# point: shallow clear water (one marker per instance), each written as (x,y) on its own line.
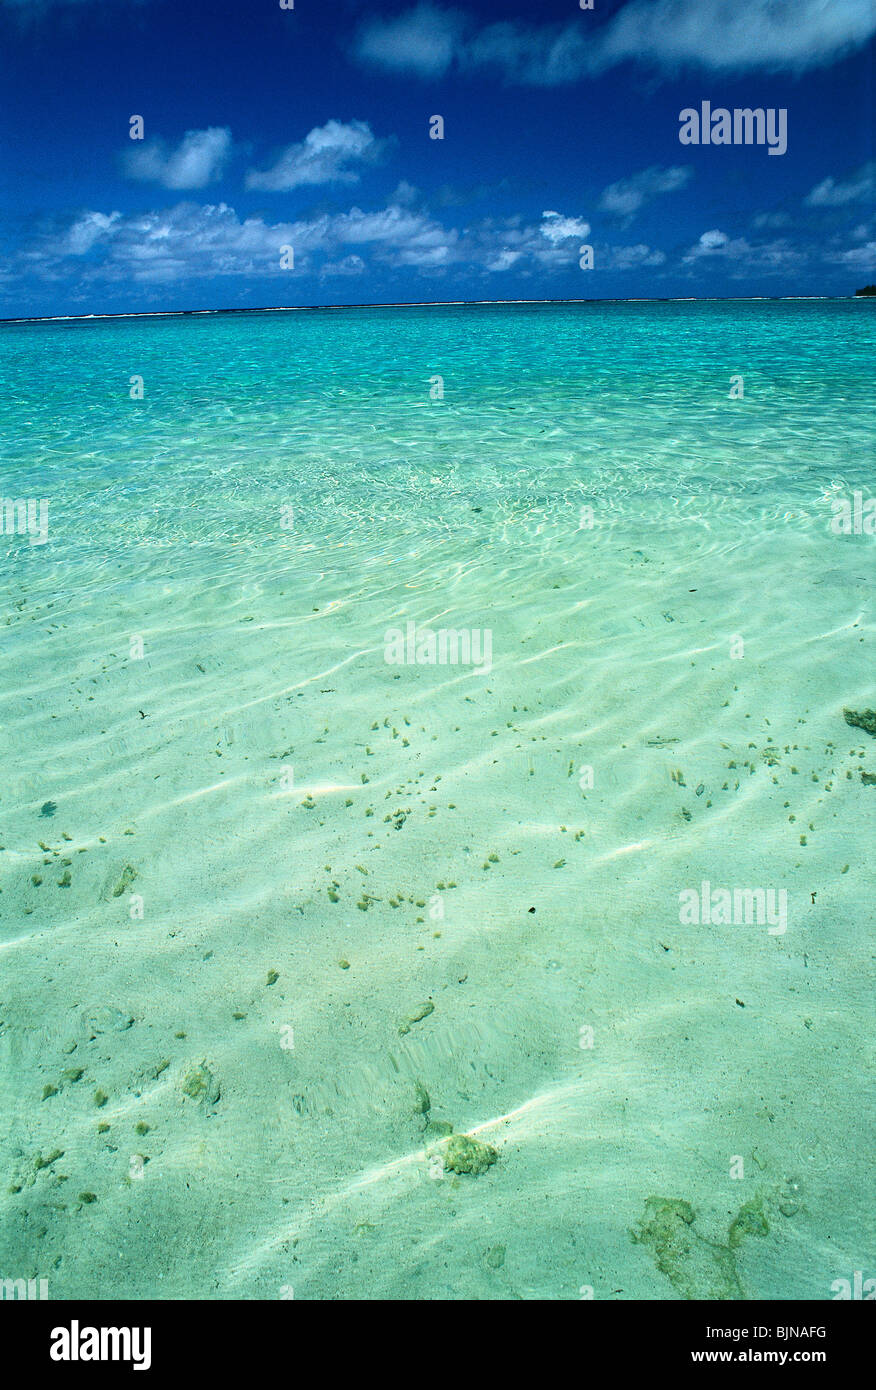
(265,847)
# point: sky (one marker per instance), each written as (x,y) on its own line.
(290,151)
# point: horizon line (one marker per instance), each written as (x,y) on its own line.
(424,304)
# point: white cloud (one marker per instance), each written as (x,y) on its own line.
(530,54)
(185,241)
(765,257)
(89,229)
(857,258)
(190,241)
(422,41)
(394,226)
(198,159)
(504,260)
(724,35)
(557,229)
(350,265)
(859,187)
(632,257)
(767,220)
(405,194)
(627,196)
(711,241)
(711,35)
(550,245)
(324,156)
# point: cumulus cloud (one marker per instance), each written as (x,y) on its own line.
(503,260)
(422,41)
(856,258)
(767,220)
(766,257)
(405,194)
(556,228)
(632,257)
(530,54)
(350,265)
(499,244)
(711,241)
(198,159)
(88,230)
(327,155)
(627,196)
(725,36)
(859,187)
(189,241)
(711,35)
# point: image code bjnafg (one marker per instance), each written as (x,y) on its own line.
(438,701)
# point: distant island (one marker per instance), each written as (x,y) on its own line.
(868,289)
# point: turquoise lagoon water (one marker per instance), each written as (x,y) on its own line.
(278,915)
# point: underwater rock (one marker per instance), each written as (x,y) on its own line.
(438,1129)
(696,1268)
(463,1154)
(104,1020)
(27,1172)
(861,719)
(750,1220)
(39,1162)
(200,1085)
(789,1198)
(129,873)
(420,1012)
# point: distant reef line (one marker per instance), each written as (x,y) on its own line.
(868,290)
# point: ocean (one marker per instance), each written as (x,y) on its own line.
(438,751)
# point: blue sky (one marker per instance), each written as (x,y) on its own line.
(309,128)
